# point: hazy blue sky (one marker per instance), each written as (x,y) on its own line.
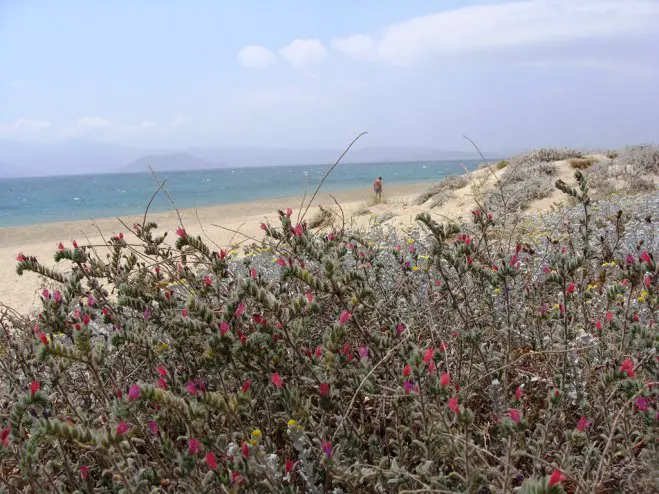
(297,73)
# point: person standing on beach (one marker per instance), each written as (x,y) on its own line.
(377,188)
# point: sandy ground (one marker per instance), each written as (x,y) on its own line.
(219,224)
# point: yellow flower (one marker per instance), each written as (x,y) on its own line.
(557,306)
(410,241)
(162,347)
(590,287)
(256,434)
(415,268)
(644,294)
(497,290)
(292,423)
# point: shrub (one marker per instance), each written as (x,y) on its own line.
(347,362)
(445,187)
(501,164)
(582,163)
(641,158)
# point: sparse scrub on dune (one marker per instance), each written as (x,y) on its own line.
(445,188)
(501,164)
(458,358)
(634,169)
(324,218)
(582,163)
(554,154)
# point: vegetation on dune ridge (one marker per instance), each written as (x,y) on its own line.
(466,359)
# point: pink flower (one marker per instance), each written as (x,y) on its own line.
(309,296)
(583,424)
(184,312)
(84,472)
(444,379)
(297,230)
(432,368)
(289,465)
(180,231)
(406,370)
(344,317)
(208,281)
(408,386)
(246,386)
(546,270)
(514,415)
(453,404)
(162,371)
(240,310)
(45,293)
(282,262)
(327,448)
(430,353)
(191,388)
(34,387)
(43,338)
(193,446)
(252,273)
(571,287)
(122,428)
(277,381)
(153,427)
(645,257)
(4,436)
(162,384)
(628,368)
(324,389)
(210,460)
(363,352)
(224,328)
(60,246)
(641,404)
(134,392)
(85,319)
(556,478)
(289,212)
(630,259)
(519,392)
(20,257)
(91,301)
(400,328)
(264,227)
(609,316)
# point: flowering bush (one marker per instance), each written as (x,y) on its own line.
(462,360)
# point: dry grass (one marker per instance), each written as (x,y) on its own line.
(582,163)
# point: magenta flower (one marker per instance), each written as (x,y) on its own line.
(519,392)
(363,352)
(252,274)
(282,262)
(289,212)
(556,478)
(444,379)
(430,353)
(309,296)
(514,415)
(84,472)
(224,328)
(153,427)
(453,404)
(344,317)
(324,389)
(400,328)
(642,404)
(210,460)
(57,296)
(184,312)
(627,367)
(583,424)
(327,448)
(134,392)
(162,371)
(645,257)
(191,388)
(240,310)
(571,287)
(408,386)
(277,381)
(122,428)
(193,446)
(180,231)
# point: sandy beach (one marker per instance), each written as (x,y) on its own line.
(22,292)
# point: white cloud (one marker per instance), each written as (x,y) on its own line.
(256,57)
(502,26)
(85,123)
(25,125)
(144,125)
(357,46)
(302,52)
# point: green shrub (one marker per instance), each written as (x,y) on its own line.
(448,361)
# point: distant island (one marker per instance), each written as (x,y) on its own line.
(78,156)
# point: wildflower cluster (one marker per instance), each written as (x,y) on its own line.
(461,360)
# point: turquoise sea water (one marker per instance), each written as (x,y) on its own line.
(26,201)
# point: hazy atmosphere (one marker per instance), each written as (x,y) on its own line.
(166,76)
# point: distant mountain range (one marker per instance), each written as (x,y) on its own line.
(74,157)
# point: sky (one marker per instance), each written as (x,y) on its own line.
(509,74)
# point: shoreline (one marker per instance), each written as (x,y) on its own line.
(21,292)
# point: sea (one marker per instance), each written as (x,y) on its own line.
(29,201)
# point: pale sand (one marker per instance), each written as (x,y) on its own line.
(22,292)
